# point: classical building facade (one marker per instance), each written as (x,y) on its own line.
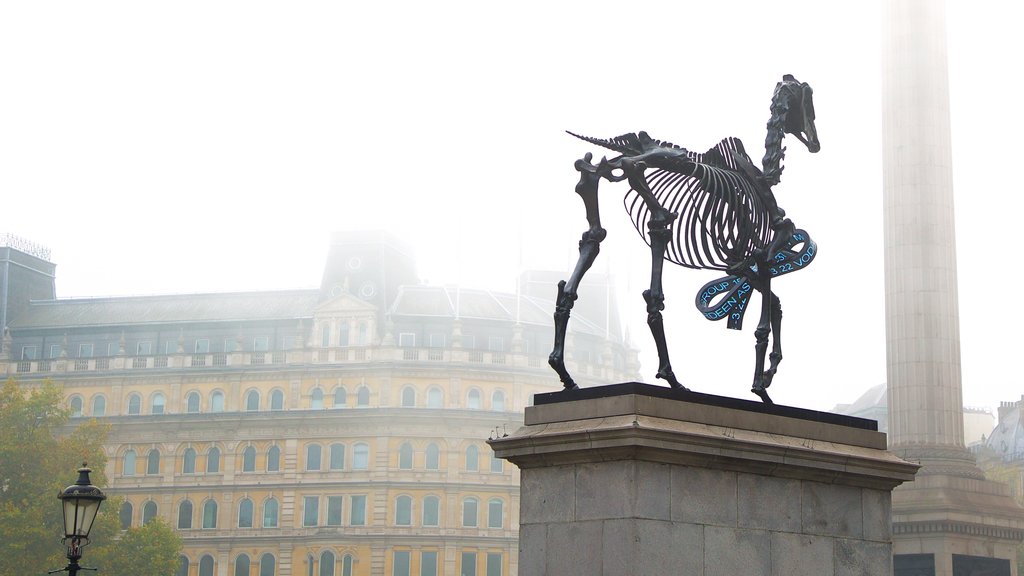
(337,431)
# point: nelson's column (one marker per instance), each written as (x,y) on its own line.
(949,521)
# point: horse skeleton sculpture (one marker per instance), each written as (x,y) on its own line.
(714,210)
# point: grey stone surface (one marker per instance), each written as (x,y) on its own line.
(653,491)
(667,548)
(552,493)
(703,496)
(733,551)
(877,506)
(605,490)
(832,510)
(572,548)
(799,554)
(862,558)
(532,549)
(768,503)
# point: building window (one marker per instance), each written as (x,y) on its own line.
(144,348)
(403,511)
(346,565)
(245,513)
(274,459)
(261,344)
(230,345)
(343,335)
(361,459)
(428,563)
(362,336)
(495,343)
(472,458)
(188,464)
(134,404)
(217,402)
(170,347)
(498,401)
(267,564)
(310,510)
(242,565)
(249,459)
(270,513)
(76,406)
(339,397)
(313,457)
(357,514)
(469,512)
(192,402)
(206,566)
(277,400)
(153,462)
(431,511)
(497,464)
(337,457)
(128,465)
(316,399)
(495,517)
(400,563)
(433,457)
(405,456)
(210,514)
(85,350)
(363,397)
(408,397)
(327,563)
(473,400)
(468,564)
(113,348)
(157,404)
(325,337)
(407,340)
(334,510)
(435,398)
(213,460)
(30,353)
(185,515)
(202,346)
(437,340)
(125,515)
(183,565)
(252,400)
(148,512)
(54,350)
(99,406)
(493,564)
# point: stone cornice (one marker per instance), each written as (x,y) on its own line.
(953,527)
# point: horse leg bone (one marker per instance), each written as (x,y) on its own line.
(761,344)
(590,246)
(776,355)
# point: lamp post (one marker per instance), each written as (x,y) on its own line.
(81,502)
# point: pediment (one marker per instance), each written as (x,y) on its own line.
(344,304)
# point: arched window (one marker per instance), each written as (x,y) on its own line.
(192,402)
(340,397)
(245,513)
(469,512)
(134,404)
(346,565)
(188,461)
(494,513)
(128,465)
(274,459)
(99,406)
(217,401)
(497,464)
(270,513)
(431,510)
(498,401)
(435,398)
(76,406)
(156,405)
(242,565)
(210,514)
(361,460)
(433,457)
(362,335)
(327,563)
(362,397)
(182,566)
(206,565)
(310,561)
(313,457)
(408,397)
(185,515)
(153,462)
(213,461)
(403,511)
(337,456)
(148,512)
(472,458)
(249,459)
(343,335)
(267,564)
(473,400)
(316,399)
(277,400)
(252,400)
(125,515)
(405,456)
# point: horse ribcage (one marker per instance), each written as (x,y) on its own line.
(721,219)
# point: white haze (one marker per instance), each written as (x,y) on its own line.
(194,146)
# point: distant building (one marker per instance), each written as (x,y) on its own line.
(337,431)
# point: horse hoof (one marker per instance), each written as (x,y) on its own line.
(763,395)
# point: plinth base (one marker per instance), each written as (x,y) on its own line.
(632,481)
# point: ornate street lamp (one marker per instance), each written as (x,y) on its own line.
(81,502)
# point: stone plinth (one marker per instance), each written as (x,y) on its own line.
(636,480)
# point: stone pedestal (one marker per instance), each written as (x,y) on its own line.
(637,480)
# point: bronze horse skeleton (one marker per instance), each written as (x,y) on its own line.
(714,210)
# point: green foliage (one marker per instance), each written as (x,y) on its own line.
(39,455)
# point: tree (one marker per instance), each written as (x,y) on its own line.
(40,450)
